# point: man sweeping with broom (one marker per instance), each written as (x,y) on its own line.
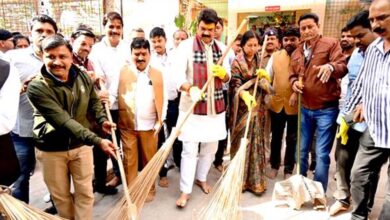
(61,95)
(206,125)
(320,62)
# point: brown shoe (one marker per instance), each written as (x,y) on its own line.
(338,207)
(219,168)
(150,196)
(163,182)
(272,174)
(114,182)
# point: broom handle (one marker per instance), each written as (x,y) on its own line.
(248,120)
(299,129)
(119,159)
(190,110)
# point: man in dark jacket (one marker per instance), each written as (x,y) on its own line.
(62,95)
(320,63)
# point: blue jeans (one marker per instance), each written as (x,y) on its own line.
(24,147)
(324,122)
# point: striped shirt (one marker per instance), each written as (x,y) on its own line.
(372,88)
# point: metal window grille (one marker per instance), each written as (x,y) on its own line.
(70,13)
(338,12)
(17,14)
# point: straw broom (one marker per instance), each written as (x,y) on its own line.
(224,203)
(14,209)
(140,187)
(130,211)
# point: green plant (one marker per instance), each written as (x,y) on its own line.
(180,22)
(193,26)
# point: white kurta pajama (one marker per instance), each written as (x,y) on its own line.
(205,130)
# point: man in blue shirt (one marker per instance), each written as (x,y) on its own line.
(346,148)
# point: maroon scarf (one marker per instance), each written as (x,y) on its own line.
(200,76)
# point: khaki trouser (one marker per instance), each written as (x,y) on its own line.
(58,168)
(137,145)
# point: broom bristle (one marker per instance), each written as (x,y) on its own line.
(226,195)
(141,186)
(15,209)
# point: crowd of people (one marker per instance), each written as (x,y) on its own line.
(53,95)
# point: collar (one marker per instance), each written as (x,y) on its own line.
(146,70)
(71,78)
(266,54)
(285,52)
(80,61)
(158,55)
(315,40)
(209,44)
(379,44)
(105,42)
(32,53)
(3,56)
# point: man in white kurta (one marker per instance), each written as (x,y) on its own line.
(204,130)
(108,57)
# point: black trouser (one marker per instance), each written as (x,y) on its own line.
(222,143)
(100,158)
(9,164)
(278,123)
(345,157)
(365,172)
(172,115)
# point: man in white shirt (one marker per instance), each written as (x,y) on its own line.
(108,57)
(178,37)
(194,63)
(162,60)
(9,100)
(142,107)
(219,30)
(28,62)
(218,161)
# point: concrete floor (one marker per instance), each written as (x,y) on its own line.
(253,207)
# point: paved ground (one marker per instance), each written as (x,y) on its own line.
(253,207)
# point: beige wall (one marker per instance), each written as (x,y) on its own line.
(238,9)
